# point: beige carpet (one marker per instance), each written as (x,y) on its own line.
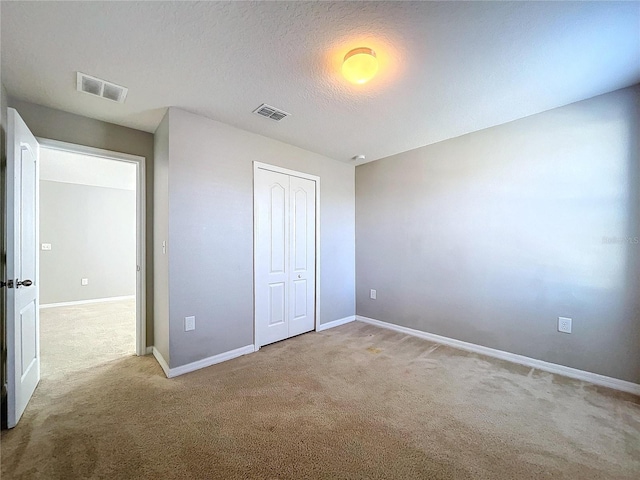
(348,403)
(81,337)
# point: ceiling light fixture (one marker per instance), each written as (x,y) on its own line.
(360,65)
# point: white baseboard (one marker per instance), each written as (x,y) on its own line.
(335,323)
(149,351)
(158,356)
(594,378)
(84,302)
(205,362)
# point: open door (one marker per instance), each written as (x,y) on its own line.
(23,327)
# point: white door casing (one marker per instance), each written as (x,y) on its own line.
(285,254)
(23,342)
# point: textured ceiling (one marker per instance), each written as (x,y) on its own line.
(446,68)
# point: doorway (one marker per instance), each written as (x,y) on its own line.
(286,205)
(90,249)
(87,250)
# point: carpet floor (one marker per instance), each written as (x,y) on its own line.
(80,337)
(352,402)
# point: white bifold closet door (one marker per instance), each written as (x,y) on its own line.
(285,261)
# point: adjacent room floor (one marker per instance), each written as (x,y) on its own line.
(79,337)
(352,402)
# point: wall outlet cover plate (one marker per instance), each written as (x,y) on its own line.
(564,324)
(189,323)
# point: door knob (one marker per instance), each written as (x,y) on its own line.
(299,276)
(24,283)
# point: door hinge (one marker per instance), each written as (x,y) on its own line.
(8,284)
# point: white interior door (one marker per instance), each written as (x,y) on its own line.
(285,207)
(23,328)
(272,256)
(302,255)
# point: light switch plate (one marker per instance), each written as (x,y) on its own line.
(189,323)
(46,246)
(84,281)
(373,294)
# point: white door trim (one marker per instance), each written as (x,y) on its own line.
(141,287)
(265,166)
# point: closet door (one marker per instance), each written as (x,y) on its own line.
(272,254)
(284,255)
(302,254)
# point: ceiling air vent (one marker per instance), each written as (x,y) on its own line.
(101,88)
(268,111)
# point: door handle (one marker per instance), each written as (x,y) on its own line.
(299,276)
(23,283)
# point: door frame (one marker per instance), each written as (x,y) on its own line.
(141,273)
(314,178)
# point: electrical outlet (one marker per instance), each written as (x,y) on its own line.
(373,294)
(46,246)
(564,324)
(84,281)
(189,323)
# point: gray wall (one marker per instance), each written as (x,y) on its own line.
(92,231)
(66,127)
(161,234)
(489,237)
(211,232)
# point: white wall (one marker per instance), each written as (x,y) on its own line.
(210,232)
